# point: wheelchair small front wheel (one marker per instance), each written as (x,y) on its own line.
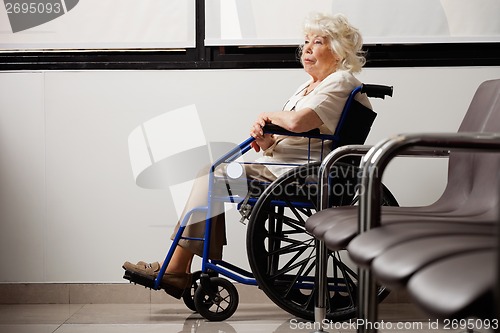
(188,296)
(217,300)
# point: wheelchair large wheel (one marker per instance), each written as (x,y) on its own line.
(281,252)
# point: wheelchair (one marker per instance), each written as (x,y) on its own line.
(281,253)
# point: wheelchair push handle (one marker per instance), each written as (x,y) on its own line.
(376,90)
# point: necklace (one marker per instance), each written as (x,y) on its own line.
(310,88)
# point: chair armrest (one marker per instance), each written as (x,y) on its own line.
(269,129)
(327,163)
(275,129)
(314,133)
(360,150)
(376,160)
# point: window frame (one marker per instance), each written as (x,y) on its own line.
(235,57)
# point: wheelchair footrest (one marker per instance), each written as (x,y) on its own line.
(146,281)
(149,282)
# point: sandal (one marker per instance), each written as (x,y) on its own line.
(144,267)
(145,274)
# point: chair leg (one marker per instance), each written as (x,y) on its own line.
(321,283)
(367,302)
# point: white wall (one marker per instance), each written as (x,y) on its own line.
(69,208)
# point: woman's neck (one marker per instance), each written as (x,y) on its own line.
(320,77)
(316,80)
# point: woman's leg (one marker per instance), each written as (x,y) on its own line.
(183,254)
(195,228)
(181,261)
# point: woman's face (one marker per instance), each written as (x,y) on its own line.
(318,59)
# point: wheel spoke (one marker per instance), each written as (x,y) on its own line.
(289,249)
(350,285)
(289,267)
(303,265)
(296,225)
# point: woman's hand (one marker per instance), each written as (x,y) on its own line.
(262,141)
(256,129)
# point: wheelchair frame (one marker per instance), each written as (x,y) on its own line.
(225,268)
(220,266)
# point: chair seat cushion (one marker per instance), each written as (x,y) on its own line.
(365,247)
(397,264)
(323,220)
(340,224)
(457,287)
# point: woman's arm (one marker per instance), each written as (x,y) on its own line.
(298,121)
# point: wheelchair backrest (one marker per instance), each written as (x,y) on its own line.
(356,119)
(355,125)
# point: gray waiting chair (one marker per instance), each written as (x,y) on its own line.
(466,214)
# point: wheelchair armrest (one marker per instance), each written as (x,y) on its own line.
(275,129)
(270,129)
(380,155)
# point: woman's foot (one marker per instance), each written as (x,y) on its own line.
(144,267)
(173,283)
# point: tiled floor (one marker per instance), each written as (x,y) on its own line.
(173,318)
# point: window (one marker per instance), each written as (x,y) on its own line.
(97,24)
(196,34)
(277,22)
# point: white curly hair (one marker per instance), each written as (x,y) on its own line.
(345,40)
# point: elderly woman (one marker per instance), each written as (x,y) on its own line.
(331,53)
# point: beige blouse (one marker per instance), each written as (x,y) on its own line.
(327,100)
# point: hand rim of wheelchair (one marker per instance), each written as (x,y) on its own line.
(299,301)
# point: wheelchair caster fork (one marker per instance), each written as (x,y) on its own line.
(216,298)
